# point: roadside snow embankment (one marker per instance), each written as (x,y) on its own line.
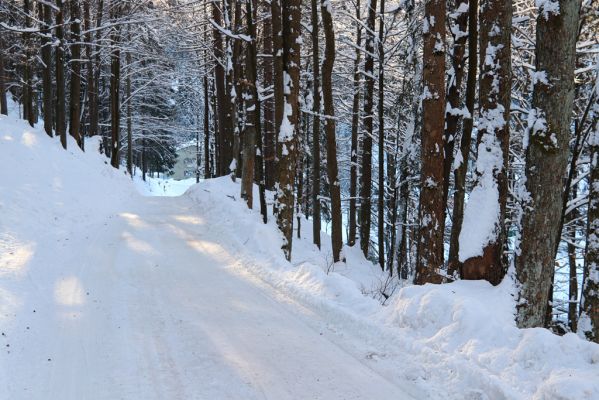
(456,341)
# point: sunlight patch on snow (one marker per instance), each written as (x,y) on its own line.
(133,220)
(189,219)
(137,245)
(14,256)
(69,292)
(8,138)
(29,139)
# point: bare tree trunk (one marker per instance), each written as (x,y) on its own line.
(95,71)
(316,223)
(329,125)
(61,129)
(432,210)
(572,278)
(115,88)
(129,116)
(3,101)
(75,106)
(485,259)
(381,142)
(546,157)
(28,110)
(207,174)
(47,69)
(221,97)
(366,172)
(588,322)
(269,154)
(355,126)
(288,140)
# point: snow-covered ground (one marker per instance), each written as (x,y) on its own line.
(109,294)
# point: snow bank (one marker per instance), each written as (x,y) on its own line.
(456,341)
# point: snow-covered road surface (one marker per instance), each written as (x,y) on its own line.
(152,307)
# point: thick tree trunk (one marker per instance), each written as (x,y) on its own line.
(432,210)
(93,89)
(278,95)
(459,173)
(486,212)
(546,157)
(61,129)
(355,126)
(316,225)
(75,98)
(329,126)
(288,125)
(207,174)
(366,170)
(129,116)
(47,69)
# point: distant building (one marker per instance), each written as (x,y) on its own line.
(186,164)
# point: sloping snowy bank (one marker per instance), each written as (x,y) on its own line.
(457,340)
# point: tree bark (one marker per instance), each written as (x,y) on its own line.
(495,82)
(355,126)
(47,69)
(61,129)
(75,98)
(546,157)
(288,125)
(28,110)
(432,210)
(381,141)
(269,112)
(221,97)
(316,222)
(330,129)
(366,172)
(115,88)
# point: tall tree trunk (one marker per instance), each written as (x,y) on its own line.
(278,95)
(115,89)
(221,97)
(482,255)
(3,100)
(588,322)
(329,126)
(366,172)
(316,224)
(546,157)
(287,127)
(251,106)
(461,169)
(93,89)
(381,142)
(129,116)
(355,126)
(75,106)
(572,278)
(47,69)
(269,112)
(432,210)
(207,174)
(454,112)
(28,110)
(61,128)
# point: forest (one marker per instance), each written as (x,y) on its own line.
(447,140)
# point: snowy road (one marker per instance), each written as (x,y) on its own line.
(149,306)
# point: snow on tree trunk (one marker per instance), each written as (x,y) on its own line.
(432,210)
(316,222)
(355,125)
(366,172)
(75,98)
(287,137)
(482,234)
(546,155)
(61,129)
(588,322)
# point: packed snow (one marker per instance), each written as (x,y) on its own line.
(106,293)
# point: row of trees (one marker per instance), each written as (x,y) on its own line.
(484,113)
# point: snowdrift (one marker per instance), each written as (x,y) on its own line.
(455,341)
